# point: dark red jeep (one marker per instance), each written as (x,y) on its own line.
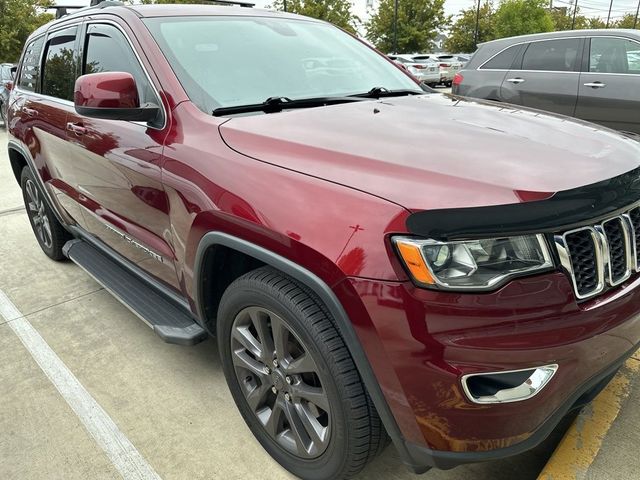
(273,181)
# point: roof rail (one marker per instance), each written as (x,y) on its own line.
(63,10)
(240,3)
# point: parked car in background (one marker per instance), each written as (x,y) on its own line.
(448,65)
(7,72)
(427,71)
(590,74)
(463,58)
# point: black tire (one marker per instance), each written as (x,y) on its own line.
(355,432)
(51,236)
(448,84)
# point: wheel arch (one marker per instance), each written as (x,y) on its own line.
(263,256)
(18,162)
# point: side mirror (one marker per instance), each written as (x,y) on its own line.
(111,96)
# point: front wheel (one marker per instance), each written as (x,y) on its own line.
(49,232)
(293,378)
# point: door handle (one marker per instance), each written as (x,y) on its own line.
(595,85)
(76,128)
(516,80)
(30,112)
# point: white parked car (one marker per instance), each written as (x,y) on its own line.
(428,72)
(448,64)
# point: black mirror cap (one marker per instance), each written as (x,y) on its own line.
(146,113)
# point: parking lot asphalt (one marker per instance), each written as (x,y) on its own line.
(170,402)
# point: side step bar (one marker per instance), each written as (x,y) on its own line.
(170,321)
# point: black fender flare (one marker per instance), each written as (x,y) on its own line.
(328,297)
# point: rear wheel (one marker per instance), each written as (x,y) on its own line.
(50,234)
(293,379)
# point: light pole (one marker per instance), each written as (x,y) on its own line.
(635,24)
(609,16)
(475,36)
(395,27)
(285,5)
(575,10)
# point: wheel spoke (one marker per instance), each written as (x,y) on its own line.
(46,231)
(242,360)
(33,208)
(303,364)
(256,397)
(311,394)
(317,433)
(280,336)
(260,321)
(273,422)
(297,429)
(245,338)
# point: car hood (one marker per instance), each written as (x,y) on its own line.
(437,151)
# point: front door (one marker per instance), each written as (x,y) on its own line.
(547,78)
(609,92)
(117,163)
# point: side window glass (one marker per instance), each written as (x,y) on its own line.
(58,73)
(30,68)
(503,60)
(614,55)
(552,55)
(107,50)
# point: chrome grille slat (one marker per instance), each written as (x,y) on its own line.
(601,255)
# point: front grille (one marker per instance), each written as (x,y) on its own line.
(603,255)
(582,247)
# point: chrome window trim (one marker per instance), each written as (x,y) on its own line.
(565,260)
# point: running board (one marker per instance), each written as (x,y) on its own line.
(171,322)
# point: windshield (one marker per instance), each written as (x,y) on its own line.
(229,61)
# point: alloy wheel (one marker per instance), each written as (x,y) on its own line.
(38,214)
(280,382)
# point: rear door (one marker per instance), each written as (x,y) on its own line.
(117,163)
(547,76)
(42,101)
(609,91)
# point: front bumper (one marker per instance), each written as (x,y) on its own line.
(421,342)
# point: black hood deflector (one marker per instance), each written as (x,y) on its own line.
(563,211)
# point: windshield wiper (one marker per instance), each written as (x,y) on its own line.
(278,104)
(382,92)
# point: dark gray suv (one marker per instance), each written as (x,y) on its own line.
(590,74)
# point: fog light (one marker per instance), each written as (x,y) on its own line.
(507,386)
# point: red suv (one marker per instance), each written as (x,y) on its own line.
(272,181)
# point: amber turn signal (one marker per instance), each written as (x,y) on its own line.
(414,261)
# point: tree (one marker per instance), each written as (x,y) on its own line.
(462,36)
(337,12)
(563,19)
(18,18)
(418,25)
(595,23)
(520,17)
(627,21)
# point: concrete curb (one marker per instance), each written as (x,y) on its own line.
(581,444)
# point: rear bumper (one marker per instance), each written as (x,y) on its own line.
(420,344)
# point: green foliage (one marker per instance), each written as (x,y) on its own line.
(462,35)
(337,12)
(418,23)
(628,21)
(520,17)
(18,18)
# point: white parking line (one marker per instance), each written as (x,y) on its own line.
(124,456)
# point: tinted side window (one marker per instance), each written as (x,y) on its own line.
(107,50)
(58,74)
(614,55)
(503,60)
(31,65)
(552,55)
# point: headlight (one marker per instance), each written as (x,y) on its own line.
(472,264)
